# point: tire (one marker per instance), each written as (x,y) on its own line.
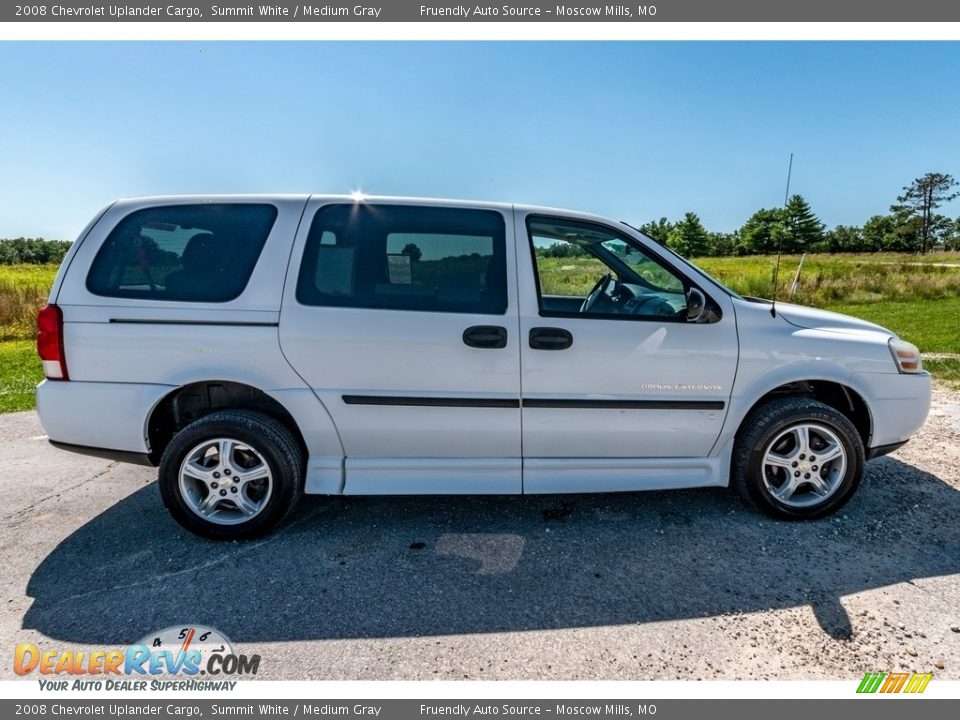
(771,471)
(225,491)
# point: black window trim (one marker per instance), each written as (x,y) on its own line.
(241,291)
(656,257)
(506,250)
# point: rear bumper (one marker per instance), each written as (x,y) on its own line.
(107,454)
(97,416)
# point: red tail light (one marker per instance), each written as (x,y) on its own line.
(50,342)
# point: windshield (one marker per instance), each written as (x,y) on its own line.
(686,262)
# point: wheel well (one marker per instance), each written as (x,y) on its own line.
(837,396)
(191,402)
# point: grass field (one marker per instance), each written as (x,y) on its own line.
(23,289)
(916,297)
(831,280)
(19,374)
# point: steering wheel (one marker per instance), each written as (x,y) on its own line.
(651,305)
(599,290)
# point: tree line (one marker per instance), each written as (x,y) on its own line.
(913,225)
(32,251)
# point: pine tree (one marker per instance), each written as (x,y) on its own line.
(688,237)
(723,244)
(803,230)
(920,198)
(659,230)
(758,236)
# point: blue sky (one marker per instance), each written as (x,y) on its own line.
(634,130)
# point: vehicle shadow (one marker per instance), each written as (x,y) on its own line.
(409,566)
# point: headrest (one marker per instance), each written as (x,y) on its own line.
(202,253)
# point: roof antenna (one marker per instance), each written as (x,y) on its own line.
(776,269)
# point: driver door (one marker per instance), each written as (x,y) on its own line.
(627,377)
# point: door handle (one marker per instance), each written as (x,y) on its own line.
(492,337)
(550,338)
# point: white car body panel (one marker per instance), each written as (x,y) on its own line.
(433,476)
(98,414)
(116,345)
(816,319)
(848,351)
(125,356)
(624,360)
(899,404)
(417,355)
(574,475)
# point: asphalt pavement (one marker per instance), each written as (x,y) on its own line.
(660,585)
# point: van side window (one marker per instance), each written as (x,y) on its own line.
(394,257)
(587,270)
(184,253)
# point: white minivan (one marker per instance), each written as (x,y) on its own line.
(259,347)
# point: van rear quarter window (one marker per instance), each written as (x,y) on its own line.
(183,253)
(395,257)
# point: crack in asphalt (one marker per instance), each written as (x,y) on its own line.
(16,516)
(930,592)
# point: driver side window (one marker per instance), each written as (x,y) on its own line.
(586,269)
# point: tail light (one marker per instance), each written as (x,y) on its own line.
(50,342)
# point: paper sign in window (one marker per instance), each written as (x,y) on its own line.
(400,270)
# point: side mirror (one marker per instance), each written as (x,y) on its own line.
(696,304)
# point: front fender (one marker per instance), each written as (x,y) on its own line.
(749,389)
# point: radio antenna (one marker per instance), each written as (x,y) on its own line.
(776,269)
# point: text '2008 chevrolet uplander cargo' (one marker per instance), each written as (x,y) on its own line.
(260,347)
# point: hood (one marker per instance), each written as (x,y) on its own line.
(814,319)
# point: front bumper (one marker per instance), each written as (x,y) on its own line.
(899,404)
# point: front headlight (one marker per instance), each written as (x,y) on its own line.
(905,355)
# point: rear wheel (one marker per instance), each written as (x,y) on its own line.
(232,474)
(797,458)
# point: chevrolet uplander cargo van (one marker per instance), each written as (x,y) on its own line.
(259,347)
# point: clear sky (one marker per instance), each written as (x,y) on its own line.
(634,130)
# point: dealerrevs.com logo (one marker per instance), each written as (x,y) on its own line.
(190,651)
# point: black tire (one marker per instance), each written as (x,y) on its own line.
(763,426)
(269,438)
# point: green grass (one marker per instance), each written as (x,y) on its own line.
(830,279)
(20,371)
(931,325)
(946,371)
(23,290)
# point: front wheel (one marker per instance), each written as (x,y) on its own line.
(797,458)
(231,475)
